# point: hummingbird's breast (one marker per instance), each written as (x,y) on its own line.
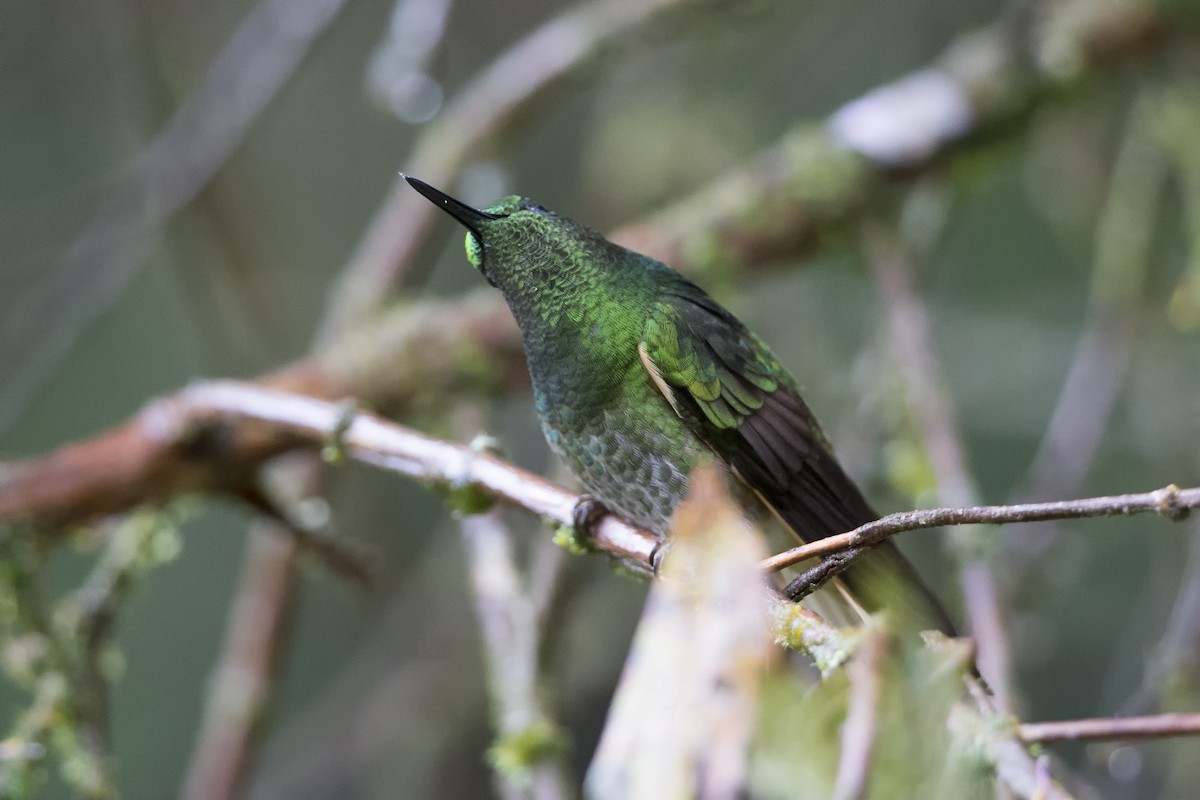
(599,409)
(621,440)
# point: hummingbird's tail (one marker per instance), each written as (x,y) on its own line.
(819,499)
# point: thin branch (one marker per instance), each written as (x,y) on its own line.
(1124,248)
(820,574)
(931,406)
(862,717)
(1157,726)
(296,420)
(1170,502)
(1018,770)
(245,77)
(528,754)
(254,641)
(481,113)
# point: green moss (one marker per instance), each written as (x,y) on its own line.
(335,450)
(569,538)
(829,180)
(796,629)
(465,498)
(516,752)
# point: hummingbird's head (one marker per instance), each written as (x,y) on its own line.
(508,235)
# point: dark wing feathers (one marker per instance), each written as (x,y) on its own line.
(728,387)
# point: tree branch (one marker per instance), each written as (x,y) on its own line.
(931,406)
(481,113)
(240,687)
(862,716)
(460,470)
(245,77)
(413,359)
(1156,726)
(527,756)
(1171,502)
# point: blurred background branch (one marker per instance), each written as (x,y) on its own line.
(248,73)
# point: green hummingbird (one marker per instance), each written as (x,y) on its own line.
(638,374)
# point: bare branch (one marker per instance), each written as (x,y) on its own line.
(931,406)
(862,717)
(372,440)
(528,754)
(1171,502)
(244,78)
(253,643)
(1157,726)
(483,112)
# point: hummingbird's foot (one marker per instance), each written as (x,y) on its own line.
(657,555)
(587,515)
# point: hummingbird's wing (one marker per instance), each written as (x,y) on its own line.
(729,389)
(726,385)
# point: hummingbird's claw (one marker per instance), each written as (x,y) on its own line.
(587,515)
(657,555)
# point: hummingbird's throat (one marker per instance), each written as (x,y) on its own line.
(474,250)
(475,256)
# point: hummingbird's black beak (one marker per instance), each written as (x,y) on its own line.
(467,216)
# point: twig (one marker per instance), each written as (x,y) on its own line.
(247,74)
(1171,502)
(1014,765)
(484,111)
(1124,242)
(862,717)
(295,420)
(254,640)
(818,575)
(1157,726)
(930,404)
(528,754)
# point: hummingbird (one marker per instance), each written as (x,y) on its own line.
(639,374)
